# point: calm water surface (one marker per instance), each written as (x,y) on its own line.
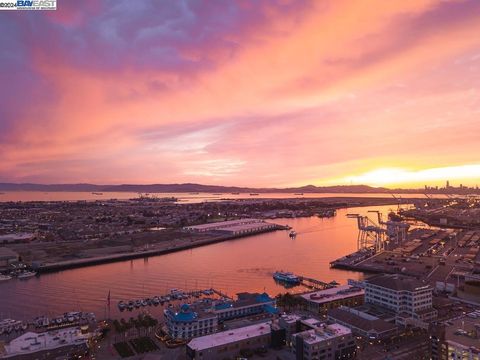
(239,265)
(183,197)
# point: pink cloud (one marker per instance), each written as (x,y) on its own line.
(289,91)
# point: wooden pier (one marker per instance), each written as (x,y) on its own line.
(314,283)
(219,293)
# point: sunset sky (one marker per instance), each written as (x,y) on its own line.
(248,93)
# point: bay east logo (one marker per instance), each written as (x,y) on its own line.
(28,4)
(36,4)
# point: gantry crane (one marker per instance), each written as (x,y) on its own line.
(370,234)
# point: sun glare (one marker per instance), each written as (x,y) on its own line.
(468,174)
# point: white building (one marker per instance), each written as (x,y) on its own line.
(202,318)
(188,323)
(229,343)
(332,341)
(231,225)
(31,342)
(410,299)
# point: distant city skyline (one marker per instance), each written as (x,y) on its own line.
(242,93)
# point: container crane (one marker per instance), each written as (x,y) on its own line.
(370,234)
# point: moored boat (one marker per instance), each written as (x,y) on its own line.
(26,274)
(5,277)
(286,277)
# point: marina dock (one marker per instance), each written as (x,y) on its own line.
(315,284)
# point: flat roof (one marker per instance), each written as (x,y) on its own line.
(31,342)
(7,252)
(291,318)
(16,236)
(223,224)
(327,332)
(463,331)
(332,294)
(248,226)
(398,282)
(230,336)
(360,320)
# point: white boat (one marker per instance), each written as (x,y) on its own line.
(287,277)
(26,274)
(5,277)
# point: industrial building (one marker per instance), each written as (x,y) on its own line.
(362,323)
(229,343)
(410,299)
(7,257)
(234,227)
(457,339)
(16,238)
(320,301)
(332,341)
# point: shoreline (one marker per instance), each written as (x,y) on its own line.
(77,263)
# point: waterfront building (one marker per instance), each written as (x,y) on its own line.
(189,322)
(233,227)
(16,238)
(226,344)
(332,341)
(36,345)
(7,257)
(246,304)
(320,301)
(362,323)
(408,298)
(457,339)
(202,318)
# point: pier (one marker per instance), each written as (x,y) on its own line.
(315,284)
(221,294)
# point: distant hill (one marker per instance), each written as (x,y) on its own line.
(189,187)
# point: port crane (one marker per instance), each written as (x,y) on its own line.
(398,199)
(370,234)
(396,230)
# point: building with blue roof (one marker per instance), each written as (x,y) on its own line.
(202,318)
(190,321)
(247,304)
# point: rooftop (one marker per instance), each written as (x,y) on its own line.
(291,318)
(222,224)
(6,252)
(464,332)
(327,332)
(31,342)
(189,313)
(248,226)
(336,293)
(398,282)
(230,336)
(360,320)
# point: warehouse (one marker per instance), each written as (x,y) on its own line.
(7,257)
(234,227)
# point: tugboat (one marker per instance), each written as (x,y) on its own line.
(286,277)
